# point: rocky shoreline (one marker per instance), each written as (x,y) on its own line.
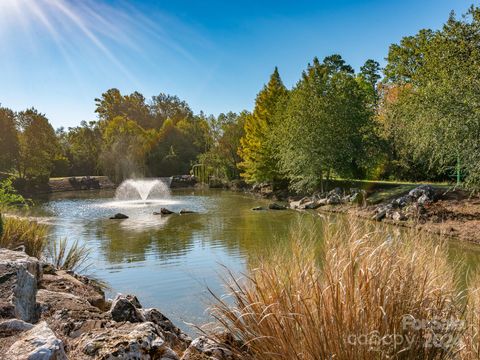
(49,314)
(439,210)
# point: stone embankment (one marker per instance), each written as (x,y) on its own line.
(49,314)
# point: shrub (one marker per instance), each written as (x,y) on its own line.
(9,196)
(25,233)
(63,257)
(352,300)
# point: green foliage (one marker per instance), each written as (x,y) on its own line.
(257,146)
(64,257)
(324,125)
(38,145)
(9,196)
(222,158)
(123,151)
(26,233)
(439,110)
(9,144)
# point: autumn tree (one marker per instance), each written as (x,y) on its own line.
(257,146)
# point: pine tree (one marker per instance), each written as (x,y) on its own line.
(257,145)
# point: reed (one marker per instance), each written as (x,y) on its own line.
(368,295)
(24,234)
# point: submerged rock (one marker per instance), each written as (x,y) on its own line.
(38,343)
(163,211)
(186,211)
(275,206)
(119,216)
(258,208)
(19,276)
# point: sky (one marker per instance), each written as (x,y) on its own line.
(59,55)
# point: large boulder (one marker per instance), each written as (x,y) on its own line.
(67,313)
(141,341)
(38,343)
(208,349)
(126,308)
(81,286)
(19,277)
(172,334)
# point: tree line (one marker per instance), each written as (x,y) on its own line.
(416,119)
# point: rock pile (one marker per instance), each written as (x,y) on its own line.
(409,206)
(50,314)
(334,197)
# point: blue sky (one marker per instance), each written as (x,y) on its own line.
(58,55)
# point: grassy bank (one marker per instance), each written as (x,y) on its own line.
(372,295)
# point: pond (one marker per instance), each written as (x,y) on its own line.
(169,262)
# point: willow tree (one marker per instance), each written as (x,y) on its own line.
(323,125)
(257,146)
(440,112)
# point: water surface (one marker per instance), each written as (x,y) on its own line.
(170,261)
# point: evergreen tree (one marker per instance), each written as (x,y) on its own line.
(257,145)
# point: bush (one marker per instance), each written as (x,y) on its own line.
(9,196)
(25,233)
(73,258)
(367,291)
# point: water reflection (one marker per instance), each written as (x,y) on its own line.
(169,261)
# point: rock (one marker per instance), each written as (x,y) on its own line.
(312,205)
(205,348)
(427,190)
(173,335)
(19,277)
(13,327)
(140,341)
(337,191)
(322,202)
(119,216)
(75,284)
(334,199)
(380,215)
(123,309)
(164,211)
(186,211)
(359,198)
(399,216)
(66,313)
(38,343)
(424,199)
(258,208)
(275,206)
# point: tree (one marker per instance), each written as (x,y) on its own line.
(38,146)
(439,111)
(323,126)
(164,106)
(9,145)
(370,74)
(222,158)
(84,147)
(113,104)
(257,145)
(125,144)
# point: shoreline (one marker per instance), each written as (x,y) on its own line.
(58,314)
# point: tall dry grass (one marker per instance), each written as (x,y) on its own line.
(24,233)
(369,295)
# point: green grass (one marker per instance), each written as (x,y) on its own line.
(25,233)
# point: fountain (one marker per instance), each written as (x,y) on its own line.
(142,189)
